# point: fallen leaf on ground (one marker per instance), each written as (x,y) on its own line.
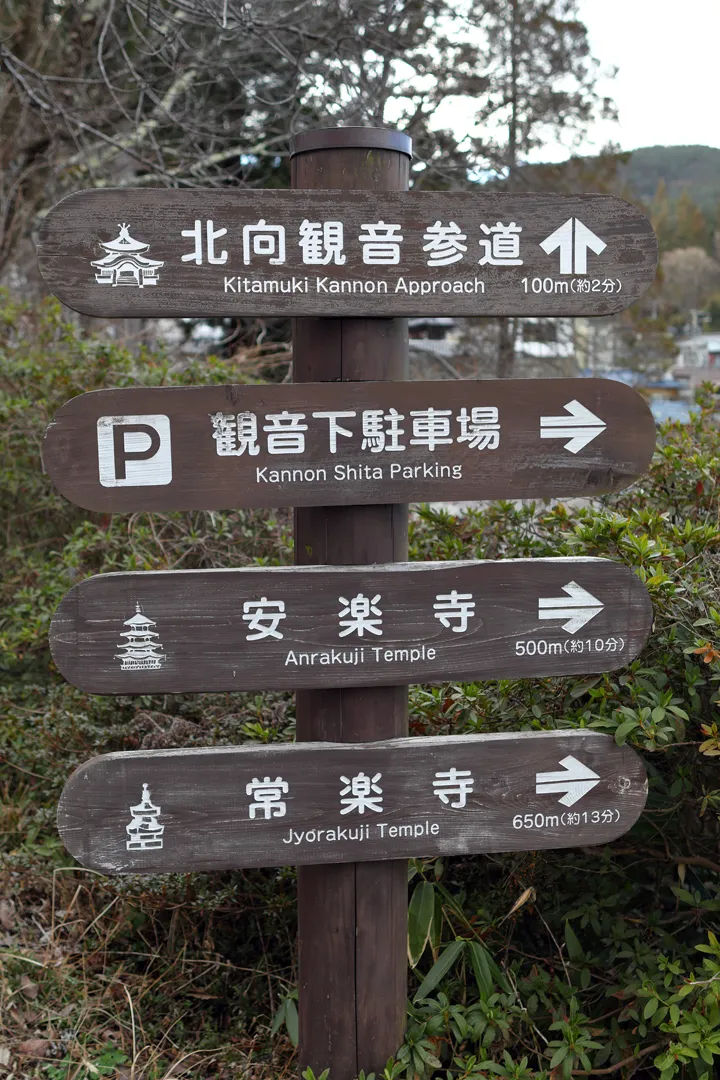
(29,988)
(37,1047)
(7,915)
(529,894)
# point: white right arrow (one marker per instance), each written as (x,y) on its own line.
(575,780)
(578,607)
(579,427)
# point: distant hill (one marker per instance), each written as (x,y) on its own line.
(695,168)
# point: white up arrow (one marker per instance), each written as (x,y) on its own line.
(573,250)
(579,427)
(578,607)
(575,780)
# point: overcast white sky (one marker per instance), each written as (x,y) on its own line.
(667,86)
(667,89)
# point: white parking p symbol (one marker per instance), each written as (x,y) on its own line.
(134,451)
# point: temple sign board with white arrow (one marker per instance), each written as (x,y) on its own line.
(220,252)
(314,626)
(161,811)
(363,255)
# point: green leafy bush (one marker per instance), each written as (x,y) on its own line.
(531,966)
(47,544)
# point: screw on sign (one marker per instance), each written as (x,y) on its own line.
(314,627)
(216,447)
(195,252)
(233,807)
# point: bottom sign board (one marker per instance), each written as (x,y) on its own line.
(257,628)
(167,811)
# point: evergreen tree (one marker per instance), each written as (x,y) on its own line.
(541,81)
(692,229)
(661,218)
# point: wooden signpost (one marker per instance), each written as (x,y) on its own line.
(193,252)
(174,811)
(348,445)
(219,447)
(343,1020)
(314,627)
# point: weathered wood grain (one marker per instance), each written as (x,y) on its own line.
(516,628)
(185,471)
(205,807)
(352,1009)
(72,235)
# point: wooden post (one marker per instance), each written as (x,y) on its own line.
(352,918)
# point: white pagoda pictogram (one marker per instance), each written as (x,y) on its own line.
(144,830)
(125,263)
(140,651)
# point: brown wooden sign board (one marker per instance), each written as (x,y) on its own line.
(174,811)
(221,252)
(217,447)
(305,627)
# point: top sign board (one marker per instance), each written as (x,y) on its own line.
(219,252)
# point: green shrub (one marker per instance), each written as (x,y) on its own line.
(532,966)
(47,544)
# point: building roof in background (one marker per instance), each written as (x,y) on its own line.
(663,411)
(438,346)
(634,378)
(710,341)
(545,350)
(416,324)
(623,375)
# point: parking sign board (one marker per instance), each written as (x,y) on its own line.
(218,447)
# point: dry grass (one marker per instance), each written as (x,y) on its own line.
(97,983)
(131,977)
